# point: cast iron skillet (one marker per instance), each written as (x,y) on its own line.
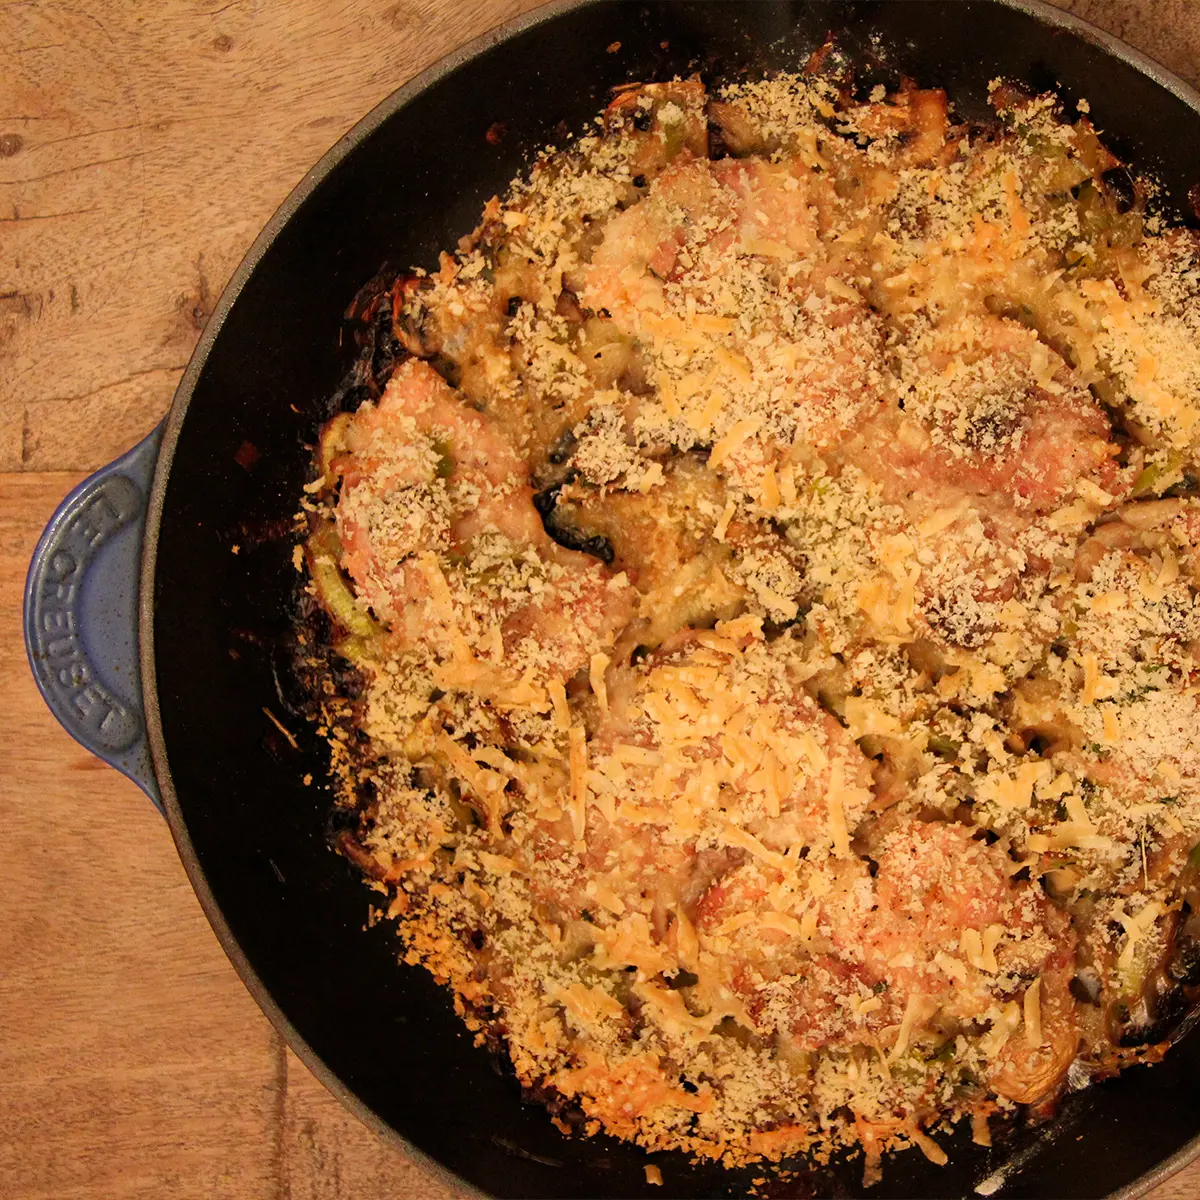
(204,625)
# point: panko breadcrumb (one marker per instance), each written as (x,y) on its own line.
(770,574)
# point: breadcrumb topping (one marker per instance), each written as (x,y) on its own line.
(772,575)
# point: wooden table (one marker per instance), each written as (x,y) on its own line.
(142,147)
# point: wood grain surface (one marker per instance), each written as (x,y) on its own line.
(142,147)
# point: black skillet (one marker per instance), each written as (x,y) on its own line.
(205,623)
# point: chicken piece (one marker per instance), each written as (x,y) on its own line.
(770,206)
(721,266)
(764,936)
(689,767)
(991,412)
(938,931)
(641,245)
(441,537)
(991,461)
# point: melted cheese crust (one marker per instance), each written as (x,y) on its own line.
(779,652)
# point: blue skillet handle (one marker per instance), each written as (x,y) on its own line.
(81,613)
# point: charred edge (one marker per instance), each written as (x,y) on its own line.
(382,345)
(1121,187)
(348,845)
(563,448)
(595,545)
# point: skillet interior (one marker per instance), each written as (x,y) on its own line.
(252,836)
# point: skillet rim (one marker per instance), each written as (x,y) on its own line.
(1045,13)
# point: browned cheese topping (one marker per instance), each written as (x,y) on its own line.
(771,573)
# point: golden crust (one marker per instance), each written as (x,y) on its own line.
(779,665)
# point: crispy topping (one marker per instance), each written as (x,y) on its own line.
(773,581)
